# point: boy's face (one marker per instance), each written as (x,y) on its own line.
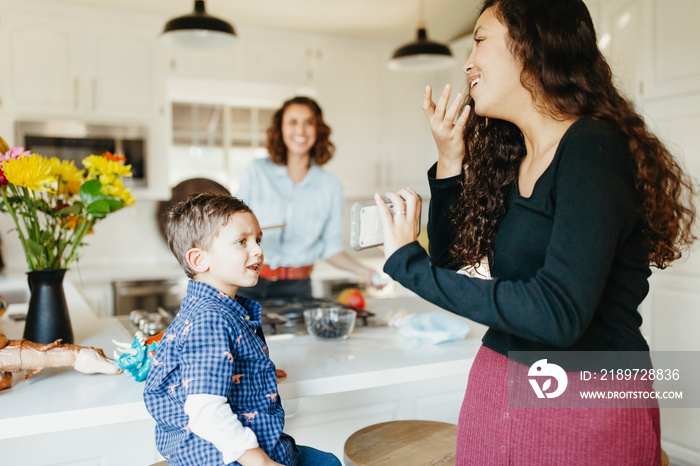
(235,256)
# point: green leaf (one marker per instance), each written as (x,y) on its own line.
(99,208)
(34,247)
(114,204)
(42,206)
(91,191)
(75,208)
(47,239)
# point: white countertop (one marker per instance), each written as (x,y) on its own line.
(61,399)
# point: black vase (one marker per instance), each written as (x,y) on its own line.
(47,317)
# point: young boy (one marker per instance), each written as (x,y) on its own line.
(212,388)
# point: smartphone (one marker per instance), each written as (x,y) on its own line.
(366,224)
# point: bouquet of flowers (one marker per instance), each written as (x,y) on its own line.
(54,204)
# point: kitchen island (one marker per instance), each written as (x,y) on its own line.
(332,388)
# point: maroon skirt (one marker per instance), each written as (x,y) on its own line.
(491,433)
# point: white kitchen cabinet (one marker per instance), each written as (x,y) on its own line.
(122,66)
(326,422)
(258,56)
(88,65)
(652,46)
(619,26)
(42,63)
(279,61)
(346,83)
(671,41)
(203,63)
(127,443)
(79,66)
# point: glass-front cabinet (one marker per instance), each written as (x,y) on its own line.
(216,141)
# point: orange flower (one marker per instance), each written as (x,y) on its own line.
(72,222)
(115,158)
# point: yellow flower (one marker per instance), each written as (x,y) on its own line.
(3,146)
(107,179)
(118,190)
(69,177)
(42,218)
(105,169)
(32,172)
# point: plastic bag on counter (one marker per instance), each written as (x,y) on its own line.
(432,328)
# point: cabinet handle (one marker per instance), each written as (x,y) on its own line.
(94,93)
(76,88)
(378,175)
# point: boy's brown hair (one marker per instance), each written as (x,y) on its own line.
(196,221)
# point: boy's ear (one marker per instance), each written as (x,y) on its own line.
(197,260)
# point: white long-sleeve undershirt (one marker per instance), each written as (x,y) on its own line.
(212,419)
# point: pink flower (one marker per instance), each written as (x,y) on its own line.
(12,154)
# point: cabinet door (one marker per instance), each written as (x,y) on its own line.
(279,61)
(347,92)
(672,41)
(202,63)
(41,64)
(620,28)
(121,66)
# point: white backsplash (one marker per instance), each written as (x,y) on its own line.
(127,237)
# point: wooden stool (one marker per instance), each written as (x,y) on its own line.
(405,443)
(665,460)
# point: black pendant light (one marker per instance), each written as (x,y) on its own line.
(198,29)
(422,54)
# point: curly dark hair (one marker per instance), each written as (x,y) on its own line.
(569,77)
(322,151)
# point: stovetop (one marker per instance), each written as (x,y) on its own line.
(279,316)
(285,316)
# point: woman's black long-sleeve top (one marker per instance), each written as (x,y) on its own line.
(569,263)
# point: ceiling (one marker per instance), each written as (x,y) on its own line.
(389,20)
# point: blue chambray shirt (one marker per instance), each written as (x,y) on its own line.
(312,211)
(212,348)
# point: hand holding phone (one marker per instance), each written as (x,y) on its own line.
(366,224)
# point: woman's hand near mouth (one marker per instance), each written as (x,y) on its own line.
(447,129)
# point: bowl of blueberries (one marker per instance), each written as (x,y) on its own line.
(330,322)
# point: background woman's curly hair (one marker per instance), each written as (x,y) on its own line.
(569,77)
(321,152)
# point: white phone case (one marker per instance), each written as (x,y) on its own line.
(366,224)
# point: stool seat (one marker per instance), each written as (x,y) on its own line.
(405,443)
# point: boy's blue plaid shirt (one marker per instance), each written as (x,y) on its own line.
(212,347)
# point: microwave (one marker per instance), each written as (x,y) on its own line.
(75,140)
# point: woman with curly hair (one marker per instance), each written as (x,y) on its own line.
(291,190)
(550,185)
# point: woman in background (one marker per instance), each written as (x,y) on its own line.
(300,203)
(550,178)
